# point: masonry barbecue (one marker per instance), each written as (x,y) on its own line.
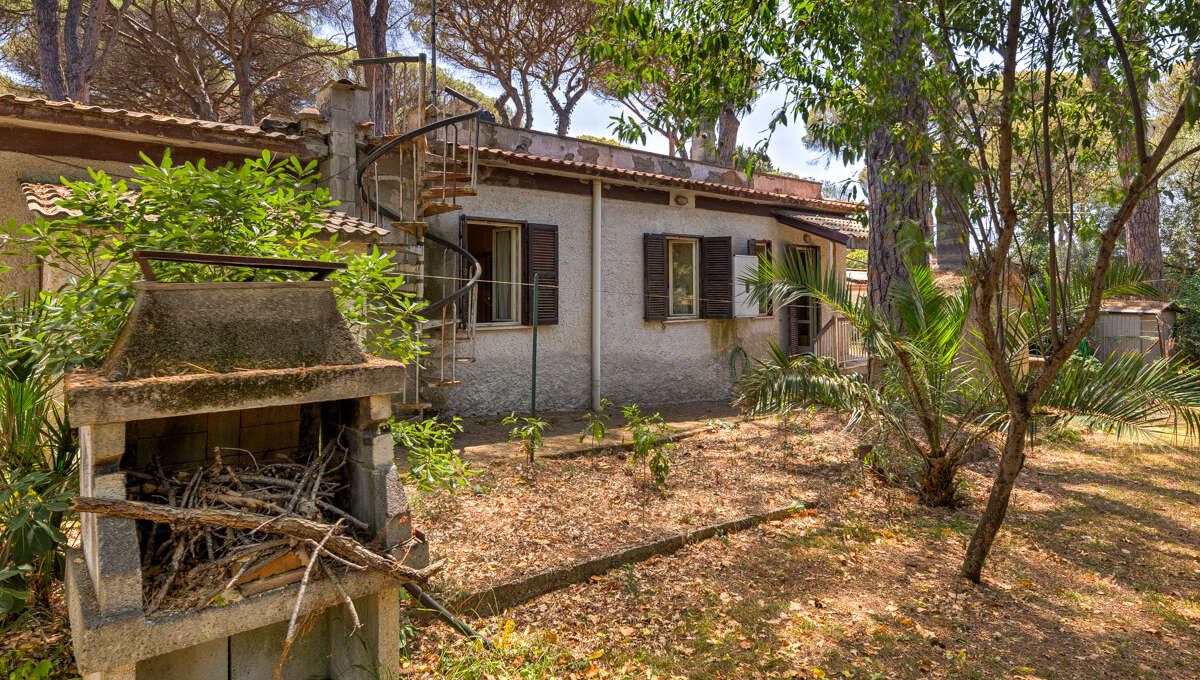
(259,380)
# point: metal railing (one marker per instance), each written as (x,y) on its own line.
(452,313)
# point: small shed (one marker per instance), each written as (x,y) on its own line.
(1140,326)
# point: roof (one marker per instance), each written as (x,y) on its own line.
(1137,306)
(814,224)
(581,167)
(98,117)
(42,199)
(846,225)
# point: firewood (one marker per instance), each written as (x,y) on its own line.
(282,525)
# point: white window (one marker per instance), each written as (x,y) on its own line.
(497,246)
(683,255)
(762,249)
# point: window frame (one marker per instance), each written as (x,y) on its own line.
(762,250)
(517,279)
(695,243)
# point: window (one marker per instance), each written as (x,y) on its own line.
(497,247)
(687,277)
(683,261)
(763,250)
(510,254)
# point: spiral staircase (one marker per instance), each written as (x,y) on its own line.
(433,144)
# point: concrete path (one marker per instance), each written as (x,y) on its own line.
(486,439)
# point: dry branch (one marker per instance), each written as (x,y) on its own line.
(294,527)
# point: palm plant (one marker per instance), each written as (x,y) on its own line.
(934,395)
(38,459)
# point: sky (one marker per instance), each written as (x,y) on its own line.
(593,116)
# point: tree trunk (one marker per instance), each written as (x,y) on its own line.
(951,244)
(728,125)
(1011,462)
(937,481)
(895,204)
(702,143)
(897,193)
(370,39)
(1143,243)
(45,17)
(245,91)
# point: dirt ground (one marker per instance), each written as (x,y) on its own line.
(1095,575)
(485,439)
(528,518)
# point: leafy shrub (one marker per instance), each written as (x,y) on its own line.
(526,430)
(432,461)
(264,207)
(1187,327)
(650,443)
(596,424)
(38,459)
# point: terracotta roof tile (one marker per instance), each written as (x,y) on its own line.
(17,105)
(516,157)
(42,199)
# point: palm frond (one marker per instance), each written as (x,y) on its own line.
(779,382)
(1126,397)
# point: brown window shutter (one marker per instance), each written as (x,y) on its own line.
(716,277)
(540,243)
(655,276)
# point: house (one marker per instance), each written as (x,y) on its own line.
(637,256)
(42,142)
(1137,326)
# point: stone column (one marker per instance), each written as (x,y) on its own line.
(343,107)
(110,544)
(374,650)
(376,490)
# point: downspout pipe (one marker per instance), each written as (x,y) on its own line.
(597,298)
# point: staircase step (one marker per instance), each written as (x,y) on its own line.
(415,406)
(437,160)
(435,341)
(402,250)
(438,325)
(447,177)
(443,383)
(436,193)
(416,229)
(437,208)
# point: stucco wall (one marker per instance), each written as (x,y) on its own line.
(647,362)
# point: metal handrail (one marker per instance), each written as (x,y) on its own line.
(476,270)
